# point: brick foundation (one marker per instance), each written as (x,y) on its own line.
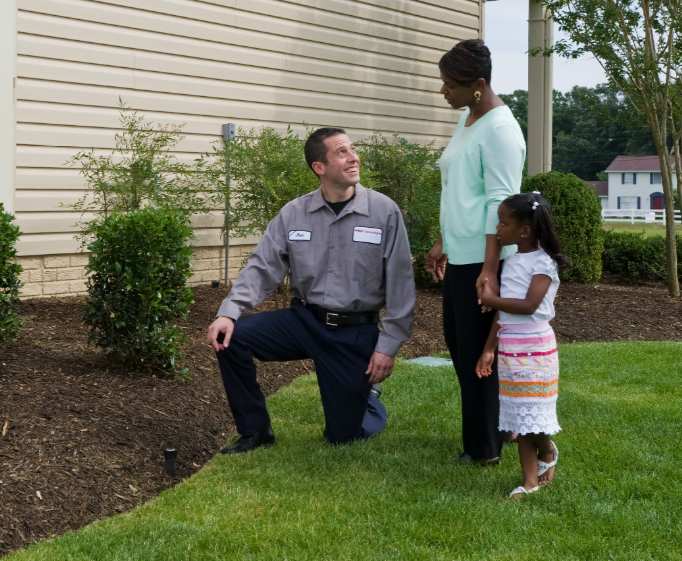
(64,275)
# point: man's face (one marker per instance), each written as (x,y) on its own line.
(342,167)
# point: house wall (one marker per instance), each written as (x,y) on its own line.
(8,40)
(630,193)
(368,66)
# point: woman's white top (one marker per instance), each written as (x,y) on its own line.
(517,272)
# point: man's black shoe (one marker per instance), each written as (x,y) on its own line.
(250,442)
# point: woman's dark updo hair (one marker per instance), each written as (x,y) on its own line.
(534,210)
(466,62)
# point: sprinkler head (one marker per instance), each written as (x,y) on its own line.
(169,457)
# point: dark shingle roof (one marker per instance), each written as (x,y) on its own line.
(599,187)
(634,163)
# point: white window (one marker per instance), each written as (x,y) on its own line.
(627,203)
(655,178)
(628,178)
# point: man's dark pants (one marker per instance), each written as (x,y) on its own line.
(341,356)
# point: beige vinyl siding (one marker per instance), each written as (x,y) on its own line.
(368,66)
(8,34)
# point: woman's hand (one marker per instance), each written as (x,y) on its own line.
(436,261)
(487,294)
(486,281)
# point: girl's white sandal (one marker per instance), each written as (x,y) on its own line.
(544,467)
(521,491)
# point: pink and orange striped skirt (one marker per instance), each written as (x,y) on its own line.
(528,368)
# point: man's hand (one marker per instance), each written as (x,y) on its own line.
(222,325)
(436,261)
(379,368)
(484,366)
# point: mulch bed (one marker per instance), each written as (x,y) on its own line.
(81,440)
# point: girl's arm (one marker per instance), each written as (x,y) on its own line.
(484,366)
(539,285)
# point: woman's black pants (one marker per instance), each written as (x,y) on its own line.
(466,330)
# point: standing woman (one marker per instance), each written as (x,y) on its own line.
(480,167)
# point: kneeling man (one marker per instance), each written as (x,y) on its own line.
(347,253)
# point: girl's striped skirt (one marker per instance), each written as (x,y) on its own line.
(528,369)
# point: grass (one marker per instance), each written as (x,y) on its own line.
(639,227)
(401,496)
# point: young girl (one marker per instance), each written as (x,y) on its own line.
(528,364)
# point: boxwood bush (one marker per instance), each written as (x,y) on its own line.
(9,277)
(634,257)
(138,269)
(577,215)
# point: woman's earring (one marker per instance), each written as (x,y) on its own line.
(477,96)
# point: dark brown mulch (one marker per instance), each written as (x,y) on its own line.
(81,440)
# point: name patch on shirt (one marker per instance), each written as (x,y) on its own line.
(299,236)
(367,235)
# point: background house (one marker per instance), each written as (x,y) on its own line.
(634,182)
(601,189)
(368,66)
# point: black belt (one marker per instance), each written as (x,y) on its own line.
(331,318)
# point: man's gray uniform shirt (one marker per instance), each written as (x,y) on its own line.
(357,261)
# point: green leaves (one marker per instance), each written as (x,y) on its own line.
(141,171)
(9,277)
(139,266)
(639,45)
(577,216)
(407,173)
(267,170)
(635,257)
(591,126)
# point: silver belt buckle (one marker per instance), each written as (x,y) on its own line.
(328,319)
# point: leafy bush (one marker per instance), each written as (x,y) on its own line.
(635,257)
(139,265)
(267,170)
(408,174)
(140,258)
(577,215)
(140,171)
(9,277)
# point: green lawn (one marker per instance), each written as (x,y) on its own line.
(637,227)
(401,496)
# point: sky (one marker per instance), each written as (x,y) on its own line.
(506,34)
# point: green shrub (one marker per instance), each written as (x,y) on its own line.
(9,277)
(408,174)
(139,266)
(267,170)
(141,171)
(577,215)
(634,257)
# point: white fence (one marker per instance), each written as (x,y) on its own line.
(636,215)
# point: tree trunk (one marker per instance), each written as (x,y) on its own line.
(666,178)
(677,148)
